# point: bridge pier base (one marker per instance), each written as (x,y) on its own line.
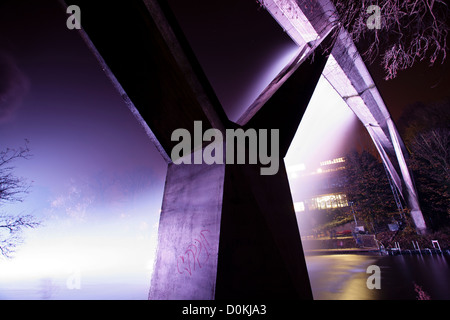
(227,232)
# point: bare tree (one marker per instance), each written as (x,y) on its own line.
(427,136)
(13,189)
(12,227)
(430,163)
(408,31)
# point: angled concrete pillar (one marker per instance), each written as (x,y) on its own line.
(404,184)
(188,234)
(386,160)
(347,73)
(412,198)
(226,231)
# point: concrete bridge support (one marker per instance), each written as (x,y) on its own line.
(305,20)
(226,231)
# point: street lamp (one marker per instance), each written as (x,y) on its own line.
(353,211)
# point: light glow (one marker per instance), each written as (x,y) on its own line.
(323,134)
(330,201)
(299,206)
(329,162)
(267,75)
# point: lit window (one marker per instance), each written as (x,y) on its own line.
(329,162)
(329,201)
(299,206)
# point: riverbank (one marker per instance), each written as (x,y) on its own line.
(408,239)
(376,251)
(341,251)
(405,241)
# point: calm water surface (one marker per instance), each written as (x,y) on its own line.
(343,276)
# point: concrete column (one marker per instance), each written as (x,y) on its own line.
(226,232)
(260,251)
(387,162)
(188,235)
(413,201)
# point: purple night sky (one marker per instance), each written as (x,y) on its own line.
(97,179)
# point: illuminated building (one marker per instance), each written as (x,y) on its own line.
(326,183)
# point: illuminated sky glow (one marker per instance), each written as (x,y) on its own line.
(326,132)
(97,180)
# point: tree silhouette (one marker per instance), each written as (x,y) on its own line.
(367,187)
(427,136)
(13,189)
(409,31)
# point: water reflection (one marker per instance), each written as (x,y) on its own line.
(343,277)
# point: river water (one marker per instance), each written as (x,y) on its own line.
(404,277)
(333,277)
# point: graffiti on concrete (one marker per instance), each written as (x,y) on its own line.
(195,255)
